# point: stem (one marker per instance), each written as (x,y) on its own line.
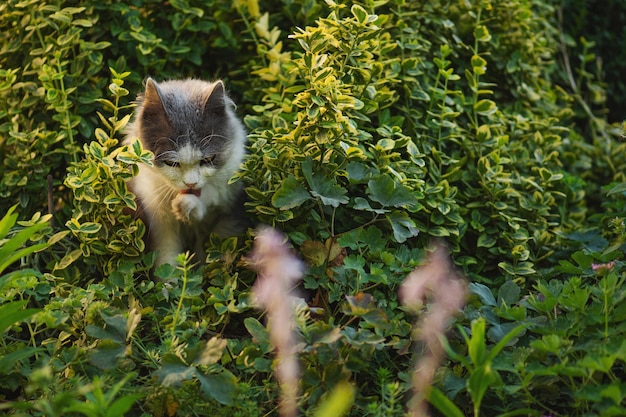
(252,32)
(66,113)
(183,290)
(320,207)
(442,111)
(606,313)
(115,113)
(570,76)
(345,61)
(145,351)
(477,78)
(50,199)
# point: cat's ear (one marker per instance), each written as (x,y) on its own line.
(215,103)
(153,108)
(152,94)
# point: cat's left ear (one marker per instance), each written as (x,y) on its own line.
(215,103)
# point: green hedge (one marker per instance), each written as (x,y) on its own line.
(374,127)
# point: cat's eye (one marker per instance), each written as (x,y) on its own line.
(170,163)
(207,161)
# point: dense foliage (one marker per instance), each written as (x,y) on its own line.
(374,127)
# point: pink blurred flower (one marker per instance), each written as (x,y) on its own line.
(438,281)
(278,271)
(603,267)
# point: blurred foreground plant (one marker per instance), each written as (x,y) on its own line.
(438,280)
(279,271)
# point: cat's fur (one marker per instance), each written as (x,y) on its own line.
(198,144)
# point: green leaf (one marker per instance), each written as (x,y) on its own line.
(495,351)
(212,351)
(13,313)
(290,194)
(507,267)
(360,303)
(9,252)
(388,193)
(480,379)
(509,293)
(403,226)
(122,405)
(68,259)
(483,133)
(549,343)
(20,273)
(116,328)
(104,334)
(485,107)
(174,374)
(107,355)
(323,73)
(486,241)
(483,292)
(619,188)
(331,194)
(11,360)
(360,13)
(257,331)
(222,387)
(15,256)
(497,332)
(438,231)
(583,259)
(592,240)
(87,227)
(478,62)
(481,33)
(471,80)
(443,404)
(522,268)
(338,402)
(8,221)
(476,346)
(362,204)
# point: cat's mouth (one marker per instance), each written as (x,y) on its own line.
(194,191)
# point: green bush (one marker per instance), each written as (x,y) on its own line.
(383,110)
(373,128)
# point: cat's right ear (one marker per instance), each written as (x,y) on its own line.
(153,108)
(152,94)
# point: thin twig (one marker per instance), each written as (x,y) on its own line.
(50,200)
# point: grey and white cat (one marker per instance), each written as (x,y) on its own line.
(198,144)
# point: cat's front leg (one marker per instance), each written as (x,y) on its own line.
(166,241)
(188,208)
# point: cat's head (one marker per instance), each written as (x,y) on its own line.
(191,128)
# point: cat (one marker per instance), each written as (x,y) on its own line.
(198,144)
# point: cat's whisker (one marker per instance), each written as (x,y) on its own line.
(167,139)
(163,192)
(213,135)
(182,138)
(206,141)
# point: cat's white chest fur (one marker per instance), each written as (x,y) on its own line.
(182,203)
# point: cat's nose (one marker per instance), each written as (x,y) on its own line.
(191,185)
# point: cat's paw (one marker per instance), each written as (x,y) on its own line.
(188,208)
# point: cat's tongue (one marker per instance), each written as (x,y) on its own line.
(194,191)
